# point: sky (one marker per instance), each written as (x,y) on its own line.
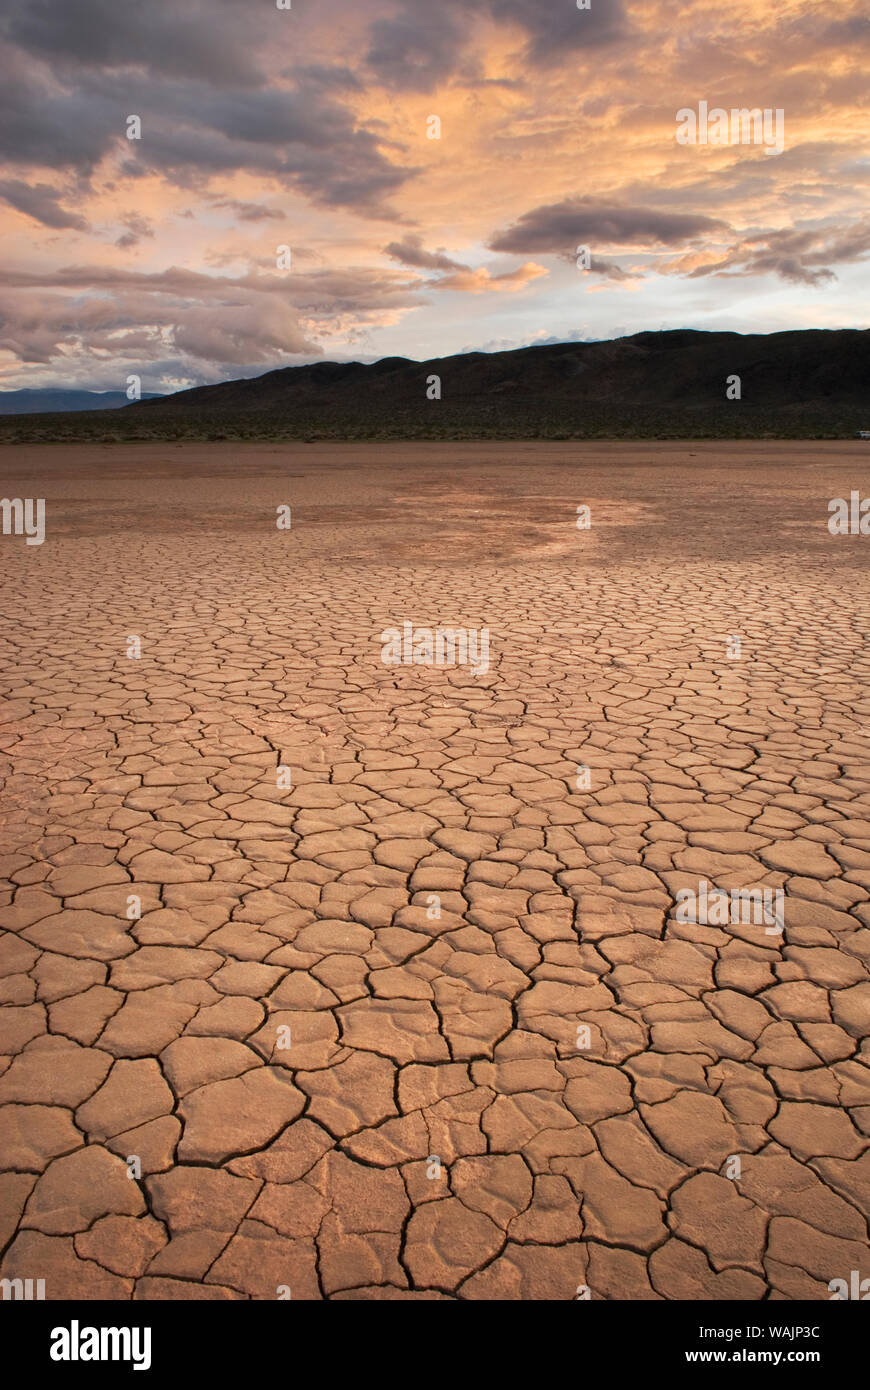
(430,169)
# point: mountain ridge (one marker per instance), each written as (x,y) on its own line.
(797,382)
(50,400)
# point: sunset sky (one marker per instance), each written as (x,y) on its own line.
(307,127)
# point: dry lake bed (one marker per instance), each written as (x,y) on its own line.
(448,894)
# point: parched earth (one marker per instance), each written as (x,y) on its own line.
(425,1022)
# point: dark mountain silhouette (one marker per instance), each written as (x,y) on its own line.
(803,383)
(37,402)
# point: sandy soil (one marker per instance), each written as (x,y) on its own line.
(427,1023)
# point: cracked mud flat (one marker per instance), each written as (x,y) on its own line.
(312,1167)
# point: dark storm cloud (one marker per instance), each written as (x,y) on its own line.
(418,49)
(301,137)
(559,227)
(336,79)
(41,202)
(556,28)
(197,74)
(411,252)
(199,39)
(42,124)
(279,134)
(420,45)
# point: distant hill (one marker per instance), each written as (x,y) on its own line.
(40,402)
(812,383)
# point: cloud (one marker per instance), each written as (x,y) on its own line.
(138,227)
(411,252)
(250,212)
(44,125)
(321,291)
(44,327)
(608,270)
(845,31)
(800,257)
(482,280)
(214,324)
(194,39)
(41,202)
(421,46)
(241,333)
(300,136)
(554,29)
(417,49)
(458,276)
(559,227)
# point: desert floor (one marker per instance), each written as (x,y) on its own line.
(290,1073)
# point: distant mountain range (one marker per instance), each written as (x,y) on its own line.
(812,383)
(40,402)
